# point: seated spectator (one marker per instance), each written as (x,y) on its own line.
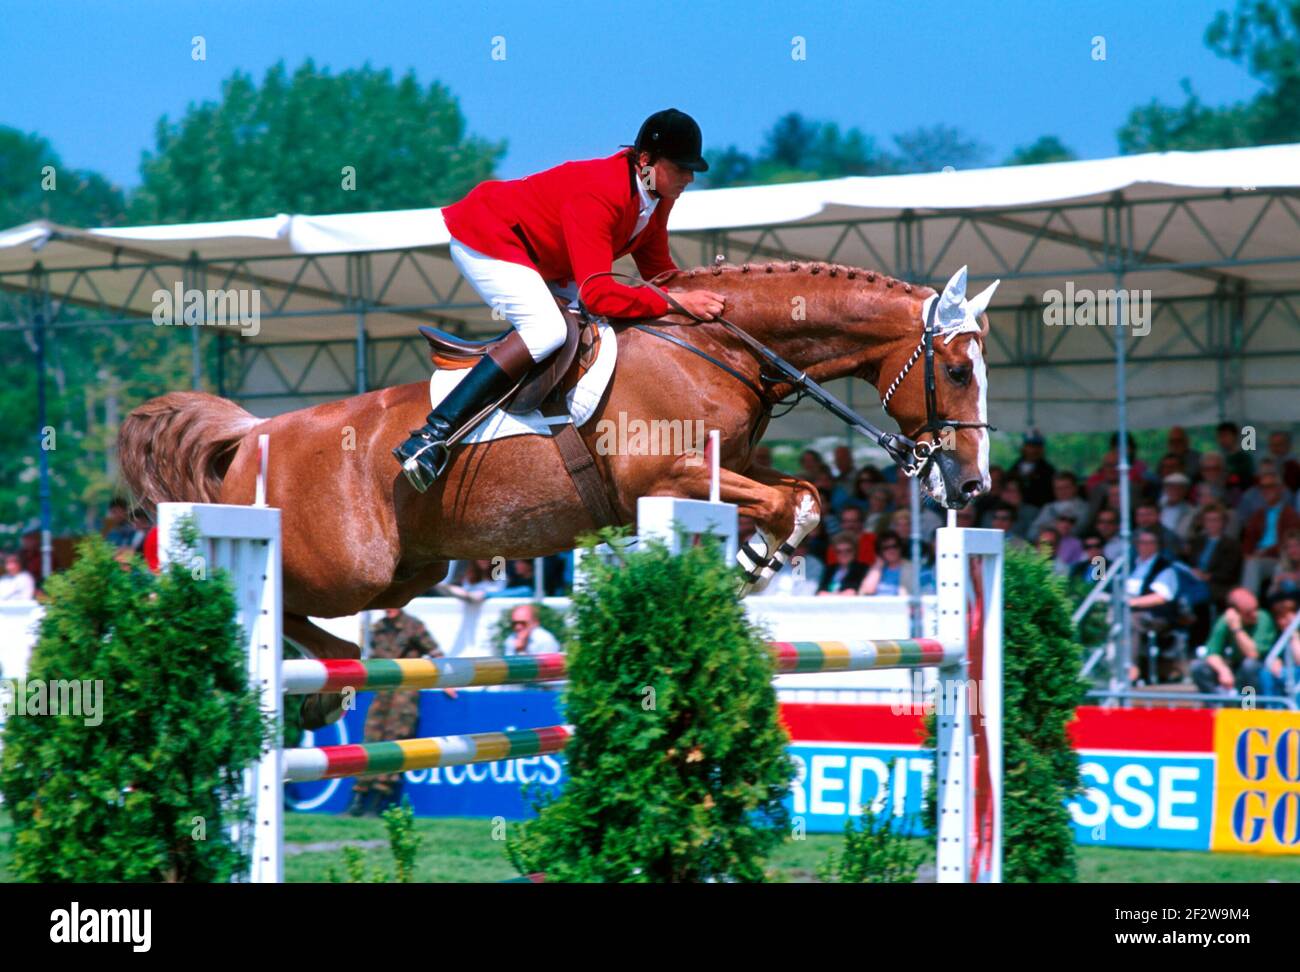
(118,528)
(1176,512)
(1003,518)
(520,580)
(859,495)
(1262,535)
(1152,596)
(1208,497)
(1107,527)
(527,636)
(801,577)
(1139,472)
(557,574)
(483,577)
(1253,500)
(811,463)
(1286,578)
(1034,472)
(1048,540)
(985,502)
(851,523)
(888,575)
(843,472)
(1068,547)
(1167,466)
(878,509)
(1179,446)
(1283,459)
(1065,492)
(1240,466)
(844,576)
(1106,475)
(1022,514)
(1272,680)
(1214,477)
(1285,463)
(825,485)
(1146,516)
(1090,567)
(1234,653)
(1215,557)
(16,584)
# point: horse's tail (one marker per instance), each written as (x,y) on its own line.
(177,447)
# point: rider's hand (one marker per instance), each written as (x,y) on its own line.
(704,304)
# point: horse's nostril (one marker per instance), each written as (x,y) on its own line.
(971,486)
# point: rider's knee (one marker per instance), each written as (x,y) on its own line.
(542,340)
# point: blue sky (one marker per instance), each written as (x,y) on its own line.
(94,77)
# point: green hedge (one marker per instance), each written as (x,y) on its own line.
(145,790)
(678,766)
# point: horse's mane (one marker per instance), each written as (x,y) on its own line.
(785,268)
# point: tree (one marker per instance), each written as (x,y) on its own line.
(28,192)
(294,144)
(934,148)
(1048,148)
(1264,36)
(796,149)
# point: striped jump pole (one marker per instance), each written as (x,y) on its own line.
(365,759)
(306,676)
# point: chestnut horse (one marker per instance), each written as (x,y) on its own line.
(356,536)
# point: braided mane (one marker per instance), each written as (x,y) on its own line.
(787,267)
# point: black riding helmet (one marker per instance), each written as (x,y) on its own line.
(674,135)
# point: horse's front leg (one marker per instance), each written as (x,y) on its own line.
(784,507)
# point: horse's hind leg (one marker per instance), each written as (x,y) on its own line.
(318,710)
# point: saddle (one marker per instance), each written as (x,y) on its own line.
(544,388)
(557,373)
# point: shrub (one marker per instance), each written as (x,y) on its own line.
(677,769)
(149,792)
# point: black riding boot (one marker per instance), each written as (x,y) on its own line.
(425,454)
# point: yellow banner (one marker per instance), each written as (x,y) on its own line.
(1257,793)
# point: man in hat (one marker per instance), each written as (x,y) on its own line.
(520,242)
(1176,512)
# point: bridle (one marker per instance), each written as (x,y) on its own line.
(935,424)
(912,456)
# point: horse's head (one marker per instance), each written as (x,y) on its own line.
(936,389)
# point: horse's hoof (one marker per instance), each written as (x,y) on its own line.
(319,711)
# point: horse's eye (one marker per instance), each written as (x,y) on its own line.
(959,374)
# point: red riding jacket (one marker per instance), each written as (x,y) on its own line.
(568,223)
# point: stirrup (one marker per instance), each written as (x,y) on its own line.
(420,468)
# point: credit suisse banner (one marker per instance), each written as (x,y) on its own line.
(1186,779)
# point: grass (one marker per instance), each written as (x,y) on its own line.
(463,850)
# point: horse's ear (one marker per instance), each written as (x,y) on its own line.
(980,302)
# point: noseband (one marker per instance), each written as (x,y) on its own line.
(922,451)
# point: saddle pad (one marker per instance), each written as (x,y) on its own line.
(582,399)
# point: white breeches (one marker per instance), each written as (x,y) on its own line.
(517,294)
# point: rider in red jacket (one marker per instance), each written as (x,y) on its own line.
(518,242)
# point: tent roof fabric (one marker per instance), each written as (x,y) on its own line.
(1140,176)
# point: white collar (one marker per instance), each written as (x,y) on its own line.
(648,202)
